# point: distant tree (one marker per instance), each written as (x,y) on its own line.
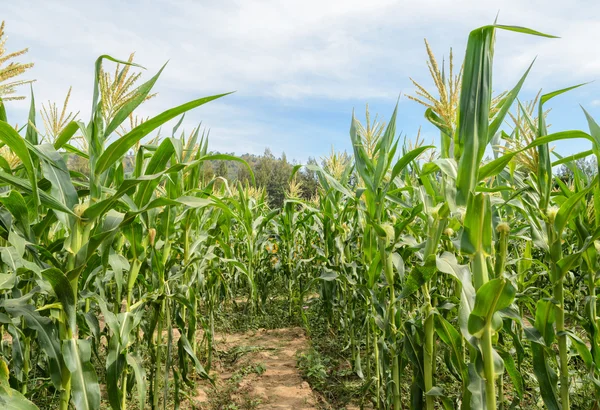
(222,170)
(79,164)
(264,168)
(270,172)
(587,166)
(308,179)
(208,171)
(278,181)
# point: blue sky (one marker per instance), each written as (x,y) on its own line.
(299,68)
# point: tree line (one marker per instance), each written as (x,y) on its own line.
(271,173)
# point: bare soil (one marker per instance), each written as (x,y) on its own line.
(261,367)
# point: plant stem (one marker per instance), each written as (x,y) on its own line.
(80,232)
(480,273)
(377,364)
(435,234)
(488,366)
(555,256)
(562,345)
(211,319)
(124,389)
(157,357)
(389,274)
(428,358)
(65,394)
(480,278)
(500,393)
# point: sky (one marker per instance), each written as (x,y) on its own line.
(299,68)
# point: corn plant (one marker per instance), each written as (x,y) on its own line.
(446,273)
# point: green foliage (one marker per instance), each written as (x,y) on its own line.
(423,281)
(312,365)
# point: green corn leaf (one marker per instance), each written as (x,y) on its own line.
(97,72)
(5,165)
(187,347)
(44,198)
(133,233)
(16,143)
(474,106)
(3,116)
(374,270)
(477,234)
(418,276)
(407,159)
(413,349)
(115,364)
(118,264)
(64,292)
(121,327)
(505,105)
(572,158)
(476,387)
(544,320)
(513,372)
(448,166)
(495,295)
(66,134)
(330,180)
(76,151)
(363,163)
(157,163)
(120,147)
(329,276)
(135,362)
(7,280)
(384,145)
(496,166)
(452,338)
(594,129)
(55,170)
(12,399)
(16,205)
(31,134)
(523,30)
(544,174)
(435,119)
(100,208)
(568,208)
(84,382)
(47,336)
(581,348)
(447,263)
(18,355)
(225,157)
(545,375)
(112,224)
(140,96)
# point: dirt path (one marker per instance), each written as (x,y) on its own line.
(257,370)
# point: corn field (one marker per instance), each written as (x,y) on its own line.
(458,277)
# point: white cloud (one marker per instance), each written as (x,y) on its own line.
(298,49)
(292,52)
